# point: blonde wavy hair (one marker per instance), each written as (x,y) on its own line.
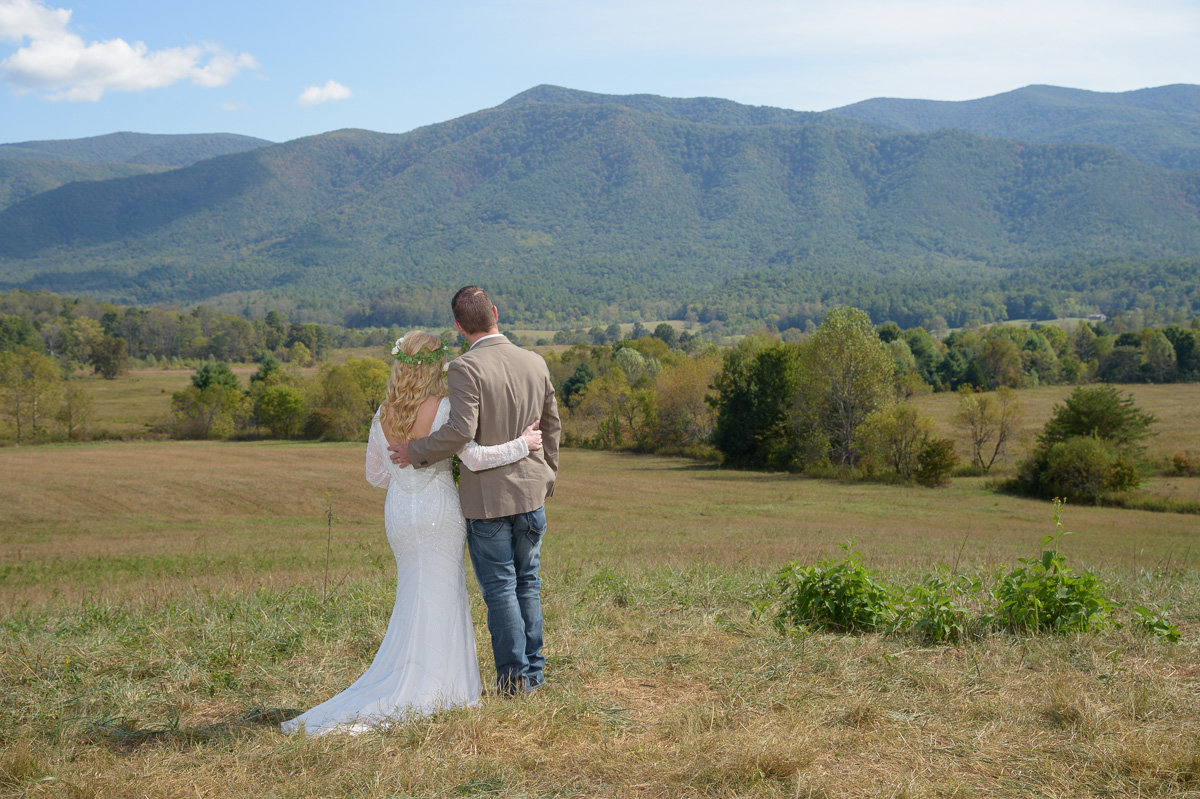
(411,384)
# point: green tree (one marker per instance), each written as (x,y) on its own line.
(211,412)
(1083,342)
(603,407)
(75,413)
(754,397)
(895,436)
(267,371)
(31,383)
(1123,364)
(666,334)
(847,376)
(281,409)
(274,330)
(347,397)
(1161,364)
(989,422)
(1000,362)
(573,386)
(216,373)
(299,355)
(110,357)
(684,417)
(17,331)
(1102,412)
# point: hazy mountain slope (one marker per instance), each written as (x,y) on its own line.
(584,201)
(136,148)
(25,177)
(1159,125)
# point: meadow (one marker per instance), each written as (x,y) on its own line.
(163,605)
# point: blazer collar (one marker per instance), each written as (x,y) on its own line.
(490,341)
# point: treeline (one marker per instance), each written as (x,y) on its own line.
(647,393)
(336,403)
(108,337)
(1003,355)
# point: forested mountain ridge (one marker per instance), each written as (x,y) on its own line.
(29,168)
(136,148)
(25,177)
(1159,125)
(577,206)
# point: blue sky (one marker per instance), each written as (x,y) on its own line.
(75,68)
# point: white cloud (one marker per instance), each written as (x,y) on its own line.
(323,94)
(25,18)
(62,66)
(234,107)
(221,68)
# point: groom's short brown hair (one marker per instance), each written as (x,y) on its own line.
(473,309)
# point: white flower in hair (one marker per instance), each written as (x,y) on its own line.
(396,347)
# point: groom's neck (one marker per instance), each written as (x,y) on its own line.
(473,337)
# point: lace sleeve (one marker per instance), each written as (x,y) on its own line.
(477,458)
(379,473)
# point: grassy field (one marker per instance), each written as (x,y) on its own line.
(1177,406)
(164,604)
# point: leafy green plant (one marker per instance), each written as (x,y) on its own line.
(838,595)
(1045,594)
(1155,621)
(935,608)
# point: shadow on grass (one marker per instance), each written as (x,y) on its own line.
(119,735)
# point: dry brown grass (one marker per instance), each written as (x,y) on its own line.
(161,611)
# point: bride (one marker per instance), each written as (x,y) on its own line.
(427,660)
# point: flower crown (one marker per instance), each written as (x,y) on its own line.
(429,356)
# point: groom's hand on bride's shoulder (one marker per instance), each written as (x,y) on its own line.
(400,454)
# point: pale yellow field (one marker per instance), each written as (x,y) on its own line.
(1177,406)
(91,520)
(163,606)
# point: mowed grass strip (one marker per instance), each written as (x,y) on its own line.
(204,513)
(164,606)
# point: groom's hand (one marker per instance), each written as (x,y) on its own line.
(400,454)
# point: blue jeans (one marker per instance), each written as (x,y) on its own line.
(506,554)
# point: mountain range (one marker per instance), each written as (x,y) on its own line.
(1159,125)
(575,206)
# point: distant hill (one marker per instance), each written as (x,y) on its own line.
(1159,125)
(704,110)
(136,148)
(25,177)
(576,206)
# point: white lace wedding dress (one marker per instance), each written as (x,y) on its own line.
(427,660)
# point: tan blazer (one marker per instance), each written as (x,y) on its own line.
(496,390)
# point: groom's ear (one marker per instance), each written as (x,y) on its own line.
(495,313)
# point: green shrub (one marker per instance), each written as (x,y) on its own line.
(934,609)
(838,595)
(936,461)
(1044,594)
(1085,468)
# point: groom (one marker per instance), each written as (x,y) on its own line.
(496,390)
